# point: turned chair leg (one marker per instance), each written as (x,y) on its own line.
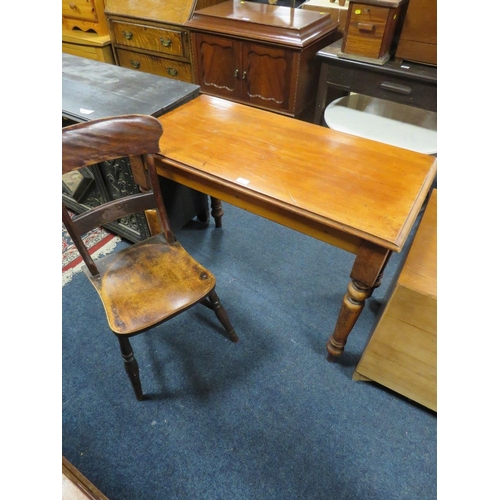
(220,312)
(131,366)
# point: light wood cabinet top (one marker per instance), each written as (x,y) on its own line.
(170,11)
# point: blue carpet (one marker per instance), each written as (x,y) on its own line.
(267,418)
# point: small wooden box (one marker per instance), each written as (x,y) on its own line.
(370,29)
(402,353)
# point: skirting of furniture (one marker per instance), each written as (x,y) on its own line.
(89,45)
(401,353)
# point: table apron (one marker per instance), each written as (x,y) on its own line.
(417,93)
(261,206)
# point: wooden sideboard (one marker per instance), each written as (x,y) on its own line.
(260,55)
(150,36)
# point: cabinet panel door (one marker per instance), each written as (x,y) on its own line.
(218,71)
(267,76)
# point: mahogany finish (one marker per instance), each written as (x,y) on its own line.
(147,283)
(261,55)
(354,193)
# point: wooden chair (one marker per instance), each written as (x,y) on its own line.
(153,280)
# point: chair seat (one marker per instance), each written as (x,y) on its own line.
(146,283)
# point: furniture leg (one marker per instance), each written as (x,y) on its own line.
(131,366)
(217,212)
(366,275)
(222,315)
(321,95)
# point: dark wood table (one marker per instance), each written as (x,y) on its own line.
(402,82)
(92,90)
(359,195)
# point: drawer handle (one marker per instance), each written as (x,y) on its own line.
(72,6)
(172,71)
(369,27)
(165,43)
(135,64)
(395,87)
(128,35)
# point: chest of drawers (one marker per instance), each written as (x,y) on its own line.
(150,36)
(85,15)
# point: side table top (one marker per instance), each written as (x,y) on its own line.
(92,90)
(401,68)
(361,187)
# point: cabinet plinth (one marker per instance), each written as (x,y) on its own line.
(261,55)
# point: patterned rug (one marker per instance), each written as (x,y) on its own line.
(99,242)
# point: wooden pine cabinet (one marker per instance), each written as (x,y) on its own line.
(85,15)
(260,55)
(150,36)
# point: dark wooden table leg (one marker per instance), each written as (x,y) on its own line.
(366,275)
(217,212)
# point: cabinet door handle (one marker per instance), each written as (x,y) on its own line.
(165,42)
(72,6)
(127,34)
(395,87)
(135,64)
(236,73)
(244,75)
(172,71)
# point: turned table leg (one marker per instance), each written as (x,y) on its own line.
(366,275)
(217,212)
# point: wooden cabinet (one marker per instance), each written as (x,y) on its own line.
(418,39)
(150,36)
(260,55)
(85,15)
(402,351)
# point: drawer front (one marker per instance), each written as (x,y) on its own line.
(163,41)
(391,87)
(365,30)
(83,10)
(160,66)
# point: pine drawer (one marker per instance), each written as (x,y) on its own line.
(83,10)
(160,66)
(161,40)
